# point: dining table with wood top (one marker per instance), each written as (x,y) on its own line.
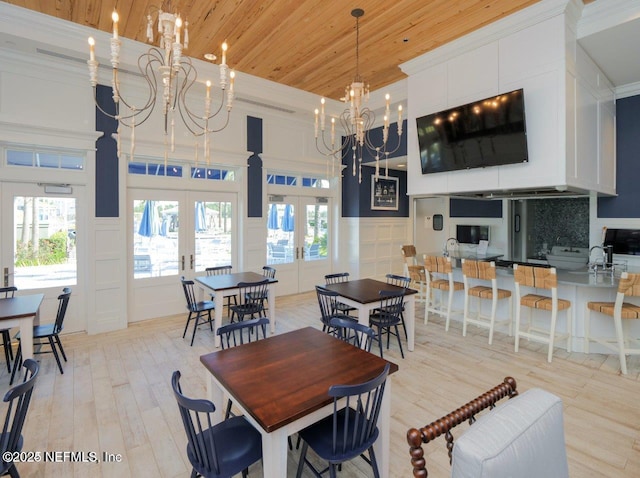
(224,285)
(281,384)
(21,311)
(364,295)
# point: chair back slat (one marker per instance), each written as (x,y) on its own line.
(481,270)
(269,272)
(390,306)
(336,278)
(416,273)
(409,250)
(253,293)
(18,399)
(538,277)
(327,300)
(358,421)
(63,303)
(353,333)
(218,270)
(629,284)
(8,292)
(238,333)
(189,293)
(397,280)
(438,264)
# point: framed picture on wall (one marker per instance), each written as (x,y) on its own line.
(384,193)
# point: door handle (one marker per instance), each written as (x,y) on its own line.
(191,256)
(183,263)
(297,253)
(302,252)
(6,277)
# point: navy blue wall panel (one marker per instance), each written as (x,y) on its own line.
(356,198)
(254,135)
(474,208)
(375,135)
(628,166)
(254,172)
(106,156)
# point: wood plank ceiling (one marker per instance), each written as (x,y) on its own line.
(310,44)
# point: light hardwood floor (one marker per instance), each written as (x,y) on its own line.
(115,397)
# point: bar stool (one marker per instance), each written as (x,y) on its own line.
(629,286)
(542,278)
(439,275)
(418,282)
(483,271)
(409,256)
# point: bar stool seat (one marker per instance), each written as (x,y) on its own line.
(619,311)
(543,278)
(483,271)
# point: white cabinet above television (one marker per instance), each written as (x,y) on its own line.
(569,107)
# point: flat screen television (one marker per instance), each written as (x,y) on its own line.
(489,132)
(472,234)
(624,241)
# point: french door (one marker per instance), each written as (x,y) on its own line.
(299,241)
(43,243)
(173,234)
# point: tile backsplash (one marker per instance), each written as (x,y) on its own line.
(563,222)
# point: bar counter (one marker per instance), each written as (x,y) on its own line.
(578,286)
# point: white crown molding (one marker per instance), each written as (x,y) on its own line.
(78,137)
(525,18)
(601,15)
(624,91)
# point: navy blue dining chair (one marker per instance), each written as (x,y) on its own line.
(349,431)
(327,300)
(7,293)
(216,451)
(47,334)
(400,281)
(197,309)
(251,295)
(17,400)
(386,318)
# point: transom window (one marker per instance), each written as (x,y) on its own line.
(41,158)
(155,167)
(304,181)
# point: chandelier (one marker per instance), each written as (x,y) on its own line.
(356,120)
(169,76)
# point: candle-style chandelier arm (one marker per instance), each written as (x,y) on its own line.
(146,63)
(197,124)
(383,147)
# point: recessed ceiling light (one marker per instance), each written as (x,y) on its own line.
(402,165)
(210,57)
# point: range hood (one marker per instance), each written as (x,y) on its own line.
(527,193)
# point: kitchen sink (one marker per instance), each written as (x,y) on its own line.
(568,258)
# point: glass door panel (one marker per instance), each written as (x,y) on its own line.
(315,232)
(281,233)
(44,242)
(213,226)
(156,227)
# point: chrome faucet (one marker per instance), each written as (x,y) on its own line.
(593,266)
(451,241)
